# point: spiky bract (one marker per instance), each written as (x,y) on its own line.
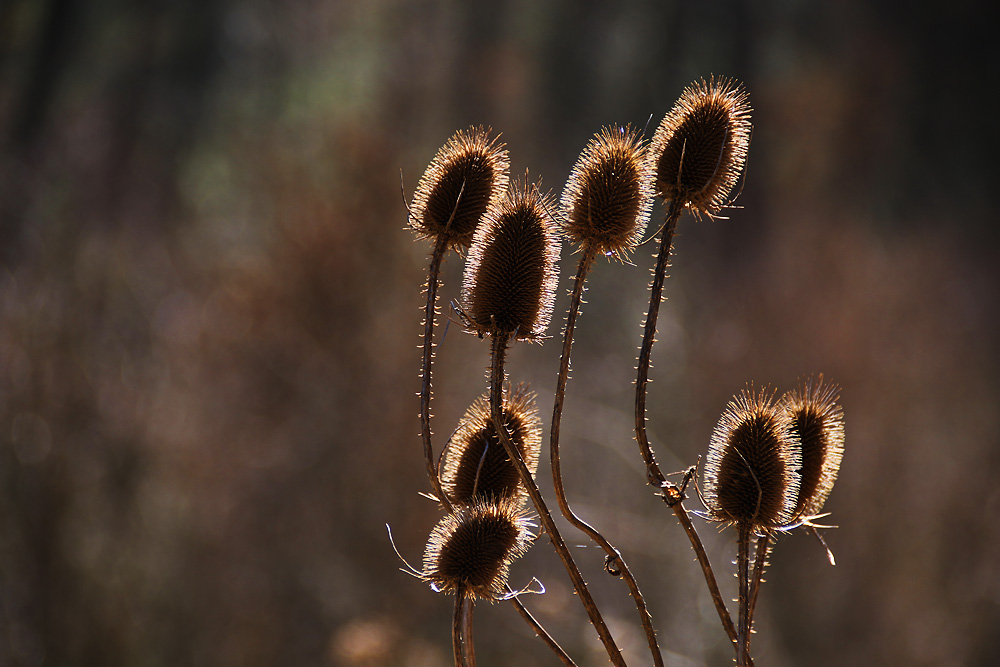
(471,549)
(476,466)
(509,286)
(700,147)
(608,196)
(465,180)
(818,422)
(751,471)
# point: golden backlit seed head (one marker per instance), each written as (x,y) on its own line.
(471,549)
(751,473)
(465,180)
(700,148)
(509,286)
(476,466)
(609,194)
(818,422)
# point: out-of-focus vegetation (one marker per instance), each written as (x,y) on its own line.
(210,311)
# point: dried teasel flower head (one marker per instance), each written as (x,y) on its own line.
(470,551)
(751,472)
(818,422)
(609,193)
(509,285)
(466,179)
(700,147)
(476,466)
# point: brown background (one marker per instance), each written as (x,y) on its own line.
(209,317)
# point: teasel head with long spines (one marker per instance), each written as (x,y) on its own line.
(818,422)
(476,466)
(609,193)
(509,285)
(471,549)
(751,472)
(466,179)
(700,148)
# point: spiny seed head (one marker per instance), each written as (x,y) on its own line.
(818,422)
(609,193)
(700,147)
(751,471)
(509,286)
(471,549)
(466,179)
(476,466)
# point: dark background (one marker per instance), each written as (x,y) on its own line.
(210,312)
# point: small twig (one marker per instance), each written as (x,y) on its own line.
(542,633)
(430,311)
(498,353)
(614,558)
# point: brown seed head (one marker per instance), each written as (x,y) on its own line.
(476,466)
(700,147)
(818,421)
(471,549)
(609,193)
(751,470)
(509,286)
(466,179)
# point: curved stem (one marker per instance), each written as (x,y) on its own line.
(542,633)
(653,474)
(613,555)
(430,310)
(498,354)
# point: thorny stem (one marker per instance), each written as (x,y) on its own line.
(461,630)
(542,633)
(763,549)
(498,354)
(743,573)
(614,558)
(653,474)
(430,311)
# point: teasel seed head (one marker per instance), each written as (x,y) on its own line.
(818,422)
(471,549)
(509,286)
(751,473)
(609,193)
(476,466)
(700,147)
(466,179)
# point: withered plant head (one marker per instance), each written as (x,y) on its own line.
(700,147)
(466,179)
(609,193)
(509,286)
(476,466)
(751,473)
(471,549)
(818,422)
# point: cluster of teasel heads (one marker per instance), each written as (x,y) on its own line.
(771,463)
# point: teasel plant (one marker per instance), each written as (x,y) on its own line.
(771,463)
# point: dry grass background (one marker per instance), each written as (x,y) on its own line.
(210,311)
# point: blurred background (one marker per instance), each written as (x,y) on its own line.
(210,312)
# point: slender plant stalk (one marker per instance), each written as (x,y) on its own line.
(430,310)
(743,573)
(461,630)
(763,548)
(498,354)
(613,555)
(542,633)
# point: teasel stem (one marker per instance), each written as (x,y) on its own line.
(430,310)
(743,574)
(614,557)
(542,633)
(497,358)
(461,630)
(653,474)
(763,548)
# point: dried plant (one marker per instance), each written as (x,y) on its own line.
(770,465)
